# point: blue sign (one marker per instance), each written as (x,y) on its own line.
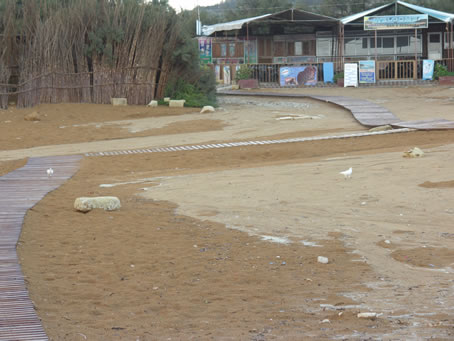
(328,72)
(367,71)
(298,75)
(395,22)
(428,69)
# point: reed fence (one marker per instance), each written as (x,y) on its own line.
(135,84)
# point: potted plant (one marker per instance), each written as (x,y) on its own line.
(243,77)
(443,75)
(339,79)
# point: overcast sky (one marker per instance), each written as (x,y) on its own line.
(190,4)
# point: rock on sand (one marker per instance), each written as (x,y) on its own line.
(207,109)
(415,152)
(86,204)
(34,116)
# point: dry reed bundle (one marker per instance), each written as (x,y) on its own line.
(93,50)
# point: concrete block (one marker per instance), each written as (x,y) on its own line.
(119,101)
(173,103)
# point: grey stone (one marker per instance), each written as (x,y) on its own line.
(86,204)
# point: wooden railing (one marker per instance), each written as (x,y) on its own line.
(397,69)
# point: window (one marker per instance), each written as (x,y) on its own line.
(324,46)
(388,45)
(232,49)
(350,46)
(403,45)
(298,48)
(362,47)
(372,43)
(223,50)
(434,38)
(415,43)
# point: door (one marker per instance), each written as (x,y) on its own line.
(434,46)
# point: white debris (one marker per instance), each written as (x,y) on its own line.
(387,241)
(279,240)
(207,109)
(322,260)
(415,152)
(50,172)
(367,315)
(326,321)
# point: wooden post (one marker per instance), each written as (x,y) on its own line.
(376,58)
(451,46)
(415,65)
(396,69)
(247,40)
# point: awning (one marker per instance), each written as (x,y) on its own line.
(290,15)
(228,26)
(442,16)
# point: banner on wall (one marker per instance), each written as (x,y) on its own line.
(328,72)
(351,75)
(227,78)
(428,69)
(205,47)
(396,22)
(217,71)
(367,71)
(298,75)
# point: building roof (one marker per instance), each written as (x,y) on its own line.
(442,16)
(228,26)
(290,15)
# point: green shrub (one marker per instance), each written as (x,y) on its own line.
(441,71)
(338,75)
(196,94)
(244,72)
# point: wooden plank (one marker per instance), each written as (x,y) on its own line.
(19,191)
(358,107)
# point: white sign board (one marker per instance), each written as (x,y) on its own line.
(351,75)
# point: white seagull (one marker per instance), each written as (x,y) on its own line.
(50,172)
(348,173)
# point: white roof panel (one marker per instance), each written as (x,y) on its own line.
(228,26)
(357,16)
(443,16)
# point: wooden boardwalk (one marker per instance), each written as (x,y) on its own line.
(365,112)
(19,191)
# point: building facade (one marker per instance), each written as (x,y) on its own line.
(394,32)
